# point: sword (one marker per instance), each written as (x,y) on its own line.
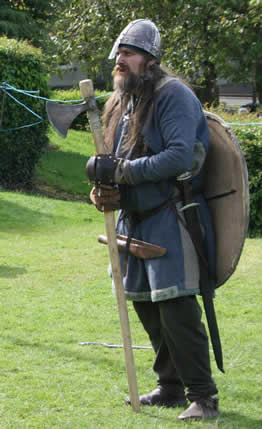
(206,283)
(138,248)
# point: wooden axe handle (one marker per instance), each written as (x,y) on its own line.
(87,92)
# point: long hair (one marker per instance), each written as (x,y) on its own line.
(118,102)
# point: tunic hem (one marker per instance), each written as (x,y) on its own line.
(160,295)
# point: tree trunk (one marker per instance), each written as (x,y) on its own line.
(208,93)
(254,84)
(259,81)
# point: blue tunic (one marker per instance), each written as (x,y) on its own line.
(176,132)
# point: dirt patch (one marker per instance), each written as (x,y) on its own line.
(47,191)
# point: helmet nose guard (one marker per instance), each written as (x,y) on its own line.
(142,34)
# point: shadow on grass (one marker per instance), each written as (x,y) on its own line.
(238,421)
(11,272)
(95,360)
(15,217)
(227,420)
(65,171)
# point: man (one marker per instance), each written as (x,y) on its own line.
(158,138)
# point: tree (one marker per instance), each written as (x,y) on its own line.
(29,19)
(214,39)
(86,30)
(13,23)
(245,28)
(201,38)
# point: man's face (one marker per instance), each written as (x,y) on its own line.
(129,66)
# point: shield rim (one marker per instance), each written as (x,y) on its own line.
(245,190)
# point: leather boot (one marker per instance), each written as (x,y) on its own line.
(162,397)
(201,409)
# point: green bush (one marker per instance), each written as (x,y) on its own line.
(22,67)
(80,123)
(250,139)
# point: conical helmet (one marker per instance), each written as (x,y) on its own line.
(142,34)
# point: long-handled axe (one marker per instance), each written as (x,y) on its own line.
(61,116)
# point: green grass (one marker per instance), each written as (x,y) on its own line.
(62,169)
(55,293)
(242,118)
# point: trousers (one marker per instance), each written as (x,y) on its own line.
(180,342)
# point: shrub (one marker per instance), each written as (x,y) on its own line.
(22,66)
(250,139)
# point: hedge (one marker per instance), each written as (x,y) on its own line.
(22,67)
(250,139)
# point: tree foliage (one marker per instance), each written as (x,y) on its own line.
(29,19)
(245,29)
(14,23)
(201,39)
(215,39)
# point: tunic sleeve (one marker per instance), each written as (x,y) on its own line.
(177,114)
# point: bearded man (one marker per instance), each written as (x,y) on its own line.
(157,135)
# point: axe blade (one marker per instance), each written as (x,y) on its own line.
(61,116)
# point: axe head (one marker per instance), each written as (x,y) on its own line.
(61,116)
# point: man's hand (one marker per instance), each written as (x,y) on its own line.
(105,198)
(108,170)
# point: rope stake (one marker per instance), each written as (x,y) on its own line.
(112,346)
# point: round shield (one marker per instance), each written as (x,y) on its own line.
(227,194)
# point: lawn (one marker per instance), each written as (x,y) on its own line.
(55,294)
(61,171)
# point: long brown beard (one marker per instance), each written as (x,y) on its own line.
(117,105)
(130,83)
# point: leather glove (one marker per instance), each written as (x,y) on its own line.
(105,198)
(108,170)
